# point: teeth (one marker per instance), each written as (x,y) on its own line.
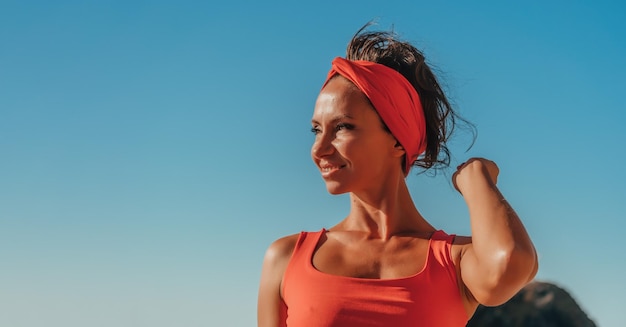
(330,168)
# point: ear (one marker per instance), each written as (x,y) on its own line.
(399,150)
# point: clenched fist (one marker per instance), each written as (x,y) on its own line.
(473,169)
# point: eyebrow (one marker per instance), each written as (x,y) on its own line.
(334,120)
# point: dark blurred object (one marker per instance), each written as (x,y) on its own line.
(538,304)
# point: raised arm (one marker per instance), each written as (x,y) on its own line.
(271,309)
(501,258)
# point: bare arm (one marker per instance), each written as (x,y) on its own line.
(501,258)
(271,309)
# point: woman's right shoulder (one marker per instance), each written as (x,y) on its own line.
(279,252)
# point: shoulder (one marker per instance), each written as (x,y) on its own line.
(275,263)
(281,249)
(459,247)
(455,244)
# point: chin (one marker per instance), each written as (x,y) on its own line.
(336,188)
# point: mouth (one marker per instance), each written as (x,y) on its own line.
(330,169)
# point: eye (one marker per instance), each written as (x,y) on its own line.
(341,126)
(315,130)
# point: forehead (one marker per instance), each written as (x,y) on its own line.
(341,97)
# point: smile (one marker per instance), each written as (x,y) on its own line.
(328,170)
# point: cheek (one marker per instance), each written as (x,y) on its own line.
(374,155)
(358,152)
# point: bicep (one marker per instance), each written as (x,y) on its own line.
(490,287)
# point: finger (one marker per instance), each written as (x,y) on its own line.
(461,165)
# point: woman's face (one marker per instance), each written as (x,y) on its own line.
(352,150)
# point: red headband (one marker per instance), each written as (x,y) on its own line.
(393,97)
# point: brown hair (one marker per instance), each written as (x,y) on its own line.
(385,48)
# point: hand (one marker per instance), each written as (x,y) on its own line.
(474,167)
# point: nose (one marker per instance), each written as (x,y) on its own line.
(322,146)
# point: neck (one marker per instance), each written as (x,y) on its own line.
(386,212)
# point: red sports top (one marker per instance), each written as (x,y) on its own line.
(429,298)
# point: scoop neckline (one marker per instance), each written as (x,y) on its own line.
(315,270)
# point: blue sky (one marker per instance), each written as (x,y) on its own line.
(151,150)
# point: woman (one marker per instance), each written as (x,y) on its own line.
(381,112)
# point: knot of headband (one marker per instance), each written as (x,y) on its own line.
(393,97)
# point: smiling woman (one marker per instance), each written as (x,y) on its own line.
(380,113)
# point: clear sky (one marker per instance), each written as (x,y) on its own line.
(150,151)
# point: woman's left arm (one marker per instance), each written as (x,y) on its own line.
(501,258)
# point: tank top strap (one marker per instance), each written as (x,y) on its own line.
(308,241)
(301,255)
(441,247)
